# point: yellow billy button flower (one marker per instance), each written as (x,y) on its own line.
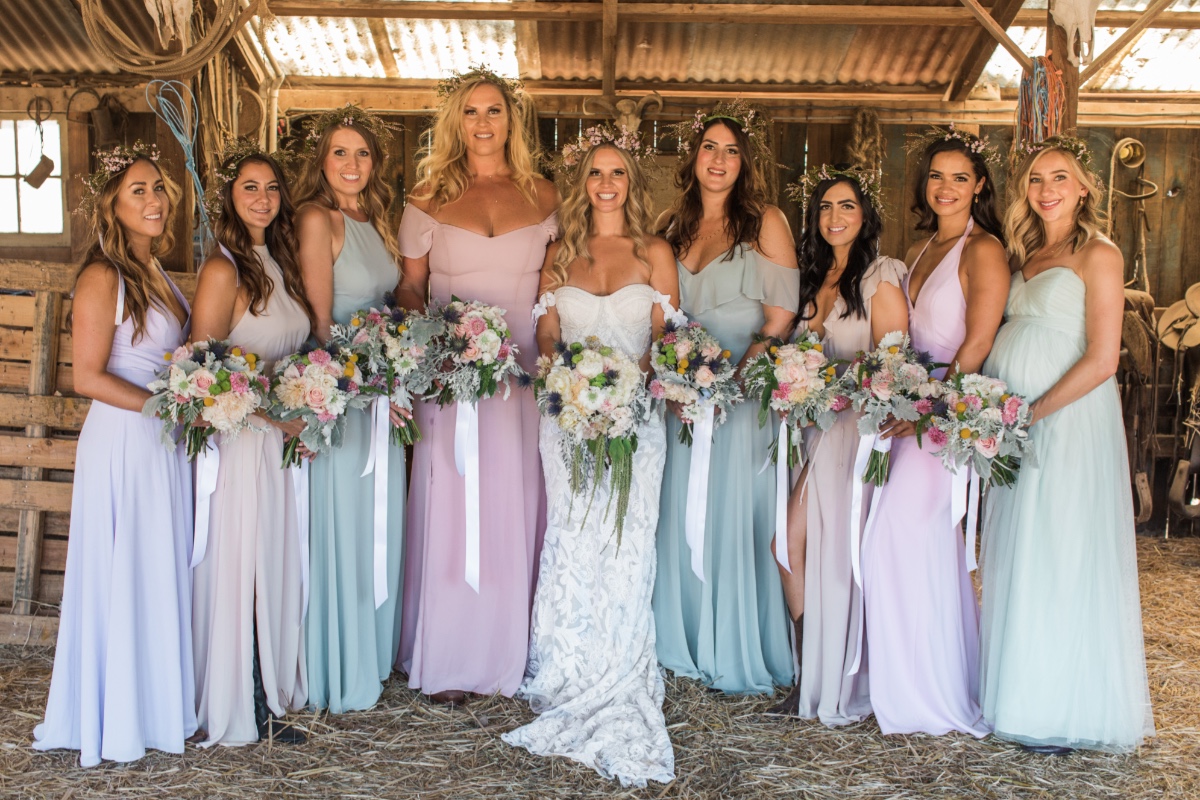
(725,354)
(166,356)
(773,349)
(235,351)
(353,358)
(208,401)
(965,433)
(355,322)
(819,347)
(349,371)
(1004,398)
(401,328)
(960,407)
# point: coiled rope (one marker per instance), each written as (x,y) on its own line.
(174,103)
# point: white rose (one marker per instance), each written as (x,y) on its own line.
(590,364)
(559,380)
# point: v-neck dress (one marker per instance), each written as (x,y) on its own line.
(454,638)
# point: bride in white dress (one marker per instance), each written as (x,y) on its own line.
(593,675)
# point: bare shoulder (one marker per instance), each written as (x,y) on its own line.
(983,247)
(547,195)
(97,279)
(314,218)
(217,270)
(775,239)
(658,251)
(914,252)
(1100,254)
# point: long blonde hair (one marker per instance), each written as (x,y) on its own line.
(575,214)
(442,173)
(1024,232)
(143,287)
(373,200)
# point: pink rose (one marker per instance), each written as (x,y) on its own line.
(471,353)
(315,397)
(988,446)
(814,359)
(682,348)
(840,403)
(656,389)
(937,438)
(239,382)
(181,398)
(924,405)
(181,352)
(711,351)
(319,357)
(476,326)
(704,377)
(202,380)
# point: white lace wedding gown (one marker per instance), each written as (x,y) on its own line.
(593,675)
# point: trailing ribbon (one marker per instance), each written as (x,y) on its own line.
(964,501)
(859,538)
(377,462)
(207,465)
(466,460)
(299,476)
(697,494)
(783,485)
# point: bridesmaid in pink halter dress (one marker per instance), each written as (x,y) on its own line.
(922,620)
(476,227)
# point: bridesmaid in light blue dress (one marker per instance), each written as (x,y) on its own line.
(348,265)
(1063,664)
(737,276)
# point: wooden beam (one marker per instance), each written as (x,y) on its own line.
(1172,20)
(980,52)
(1058,48)
(17,411)
(28,630)
(18,451)
(39,495)
(998,33)
(383,46)
(36,276)
(608,49)
(1131,35)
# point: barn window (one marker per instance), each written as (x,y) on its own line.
(28,214)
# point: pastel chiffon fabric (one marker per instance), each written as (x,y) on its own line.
(453,637)
(123,680)
(732,630)
(922,619)
(1063,657)
(350,642)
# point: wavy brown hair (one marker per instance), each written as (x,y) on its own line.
(816,254)
(375,198)
(744,208)
(983,211)
(231,232)
(1024,228)
(143,286)
(575,215)
(442,173)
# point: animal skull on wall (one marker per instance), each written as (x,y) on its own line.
(626,113)
(1077,18)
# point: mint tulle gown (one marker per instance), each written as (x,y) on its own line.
(1063,660)
(351,643)
(732,631)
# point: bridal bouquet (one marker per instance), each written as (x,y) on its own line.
(318,386)
(469,353)
(210,381)
(596,395)
(390,344)
(798,381)
(691,369)
(893,379)
(979,422)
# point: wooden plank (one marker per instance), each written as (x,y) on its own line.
(36,495)
(1057,49)
(15,375)
(998,33)
(980,51)
(58,524)
(1190,234)
(20,451)
(608,48)
(1120,47)
(17,411)
(383,47)
(1172,214)
(54,554)
(1170,20)
(15,342)
(28,630)
(34,276)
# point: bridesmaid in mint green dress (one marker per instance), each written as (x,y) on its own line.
(737,277)
(1063,664)
(348,264)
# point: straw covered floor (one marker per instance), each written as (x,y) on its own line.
(724,747)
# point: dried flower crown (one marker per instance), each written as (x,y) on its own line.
(227,163)
(622,138)
(749,119)
(448,86)
(350,114)
(870,183)
(1074,146)
(112,161)
(917,142)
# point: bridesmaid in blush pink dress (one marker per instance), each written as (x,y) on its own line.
(922,620)
(477,228)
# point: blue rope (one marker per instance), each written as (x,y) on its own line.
(174,103)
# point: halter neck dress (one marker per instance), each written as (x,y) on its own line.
(455,638)
(250,577)
(351,643)
(922,620)
(123,680)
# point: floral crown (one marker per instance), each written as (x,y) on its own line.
(448,86)
(227,163)
(749,119)
(1074,146)
(622,138)
(918,142)
(870,183)
(113,161)
(349,114)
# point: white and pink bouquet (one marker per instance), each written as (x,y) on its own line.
(892,380)
(390,343)
(597,396)
(978,422)
(469,353)
(799,382)
(212,382)
(317,385)
(692,369)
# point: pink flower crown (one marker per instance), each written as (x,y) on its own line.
(622,138)
(113,161)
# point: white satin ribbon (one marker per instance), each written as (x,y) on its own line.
(697,494)
(299,476)
(207,464)
(858,532)
(783,486)
(964,501)
(466,461)
(377,462)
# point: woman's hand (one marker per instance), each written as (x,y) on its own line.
(893,428)
(291,428)
(399,416)
(676,408)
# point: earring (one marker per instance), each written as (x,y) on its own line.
(976,199)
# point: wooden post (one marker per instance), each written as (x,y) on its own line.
(1057,48)
(43,366)
(608,48)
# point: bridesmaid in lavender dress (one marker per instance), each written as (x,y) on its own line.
(122,678)
(476,227)
(922,620)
